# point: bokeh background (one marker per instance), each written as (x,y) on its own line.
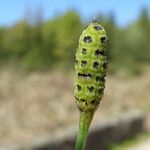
(38,40)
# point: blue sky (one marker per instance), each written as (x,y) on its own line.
(125,11)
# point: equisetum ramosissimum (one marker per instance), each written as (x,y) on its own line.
(89,81)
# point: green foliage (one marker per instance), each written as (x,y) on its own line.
(130,143)
(45,44)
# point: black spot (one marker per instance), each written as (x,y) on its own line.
(94,102)
(105,65)
(95,65)
(103,39)
(87,39)
(91,89)
(83,63)
(76,61)
(79,87)
(100,91)
(99,52)
(98,78)
(82,75)
(97,27)
(84,50)
(83,100)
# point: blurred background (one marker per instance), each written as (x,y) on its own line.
(38,40)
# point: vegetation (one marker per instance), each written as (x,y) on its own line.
(34,44)
(125,145)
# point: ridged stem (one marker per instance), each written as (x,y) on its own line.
(84,124)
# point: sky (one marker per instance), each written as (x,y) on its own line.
(125,11)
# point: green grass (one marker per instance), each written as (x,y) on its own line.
(131,142)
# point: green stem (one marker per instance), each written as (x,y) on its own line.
(84,124)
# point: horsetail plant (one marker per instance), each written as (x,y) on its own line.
(89,80)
